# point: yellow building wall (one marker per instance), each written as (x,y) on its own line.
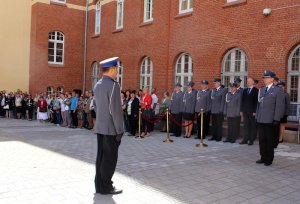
(15,17)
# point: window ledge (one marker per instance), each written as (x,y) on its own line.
(58,3)
(118,30)
(55,65)
(96,36)
(183,15)
(235,3)
(146,23)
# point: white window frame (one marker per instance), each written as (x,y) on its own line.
(145,75)
(55,41)
(120,74)
(98,18)
(95,73)
(120,14)
(232,73)
(50,90)
(291,73)
(60,89)
(182,75)
(230,1)
(59,1)
(189,6)
(146,3)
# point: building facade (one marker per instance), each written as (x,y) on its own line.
(163,42)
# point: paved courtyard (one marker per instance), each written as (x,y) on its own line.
(41,163)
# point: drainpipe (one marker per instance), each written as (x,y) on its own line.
(85,45)
(168,44)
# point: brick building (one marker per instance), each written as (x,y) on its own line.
(161,42)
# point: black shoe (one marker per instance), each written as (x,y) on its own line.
(219,140)
(250,143)
(178,135)
(211,139)
(268,164)
(243,142)
(260,162)
(226,141)
(114,191)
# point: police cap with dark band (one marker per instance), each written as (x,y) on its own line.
(237,80)
(205,82)
(232,85)
(268,74)
(217,80)
(191,84)
(178,84)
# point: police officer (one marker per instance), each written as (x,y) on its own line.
(269,112)
(239,90)
(203,102)
(109,126)
(217,107)
(175,109)
(232,111)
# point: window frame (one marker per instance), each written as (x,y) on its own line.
(55,42)
(189,7)
(49,90)
(118,27)
(59,1)
(182,75)
(145,75)
(120,73)
(145,11)
(60,89)
(95,77)
(98,11)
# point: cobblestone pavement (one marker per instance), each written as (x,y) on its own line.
(41,163)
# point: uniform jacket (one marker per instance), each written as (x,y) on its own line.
(188,102)
(232,106)
(108,107)
(249,101)
(176,102)
(203,101)
(218,100)
(270,105)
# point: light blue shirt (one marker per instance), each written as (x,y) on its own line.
(73,103)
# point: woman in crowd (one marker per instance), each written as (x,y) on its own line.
(145,102)
(165,104)
(30,107)
(42,110)
(67,101)
(188,109)
(56,110)
(133,112)
(124,108)
(12,106)
(7,107)
(80,111)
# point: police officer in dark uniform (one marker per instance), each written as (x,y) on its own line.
(270,110)
(176,109)
(239,90)
(217,108)
(203,102)
(109,126)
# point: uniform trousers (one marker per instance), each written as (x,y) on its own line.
(233,125)
(217,126)
(276,135)
(250,129)
(106,162)
(266,133)
(206,120)
(177,129)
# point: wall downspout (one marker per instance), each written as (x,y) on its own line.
(85,45)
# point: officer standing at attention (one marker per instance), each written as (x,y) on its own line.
(232,111)
(109,126)
(239,91)
(175,109)
(270,110)
(203,102)
(217,108)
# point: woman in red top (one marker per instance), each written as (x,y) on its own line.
(146,102)
(42,110)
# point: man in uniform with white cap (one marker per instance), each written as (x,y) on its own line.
(269,111)
(109,126)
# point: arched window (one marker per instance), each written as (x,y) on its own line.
(235,65)
(293,84)
(56,47)
(95,74)
(184,69)
(60,90)
(146,73)
(49,90)
(98,18)
(120,73)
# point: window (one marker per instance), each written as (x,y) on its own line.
(293,85)
(49,90)
(235,65)
(120,14)
(95,74)
(184,69)
(98,18)
(60,90)
(146,73)
(120,73)
(185,6)
(229,1)
(56,47)
(59,1)
(148,10)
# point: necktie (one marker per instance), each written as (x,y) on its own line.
(249,90)
(266,90)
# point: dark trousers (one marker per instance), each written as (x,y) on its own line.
(217,126)
(266,142)
(85,122)
(74,118)
(233,125)
(206,120)
(106,162)
(132,124)
(276,135)
(57,117)
(177,129)
(30,113)
(146,126)
(250,129)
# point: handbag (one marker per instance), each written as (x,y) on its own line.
(6,107)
